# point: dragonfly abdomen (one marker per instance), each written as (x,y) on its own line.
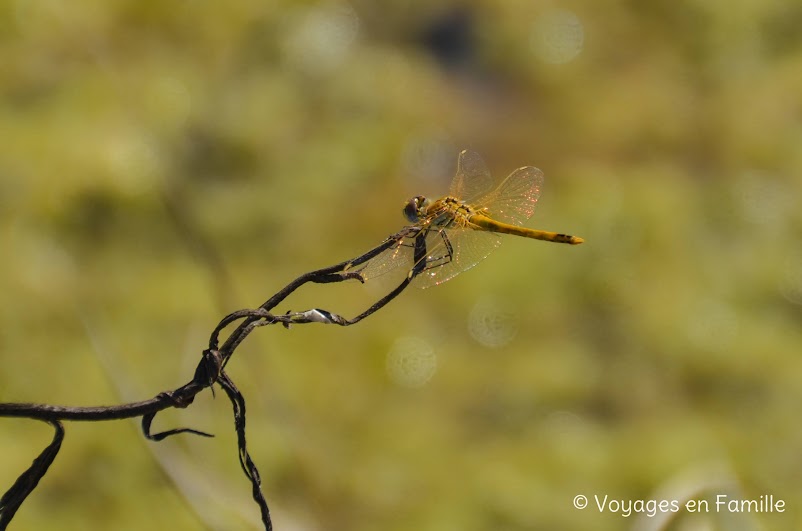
(486,223)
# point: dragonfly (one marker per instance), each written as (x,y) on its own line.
(454,233)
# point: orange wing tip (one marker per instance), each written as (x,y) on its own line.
(576,240)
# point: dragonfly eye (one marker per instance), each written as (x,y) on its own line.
(413,208)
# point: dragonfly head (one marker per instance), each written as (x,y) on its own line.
(415,208)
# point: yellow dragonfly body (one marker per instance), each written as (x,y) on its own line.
(450,212)
(463,227)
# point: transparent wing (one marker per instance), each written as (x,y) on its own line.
(472,179)
(514,200)
(390,266)
(452,251)
(449,252)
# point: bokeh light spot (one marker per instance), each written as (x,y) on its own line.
(39,262)
(135,163)
(411,362)
(790,283)
(557,36)
(491,325)
(764,200)
(320,39)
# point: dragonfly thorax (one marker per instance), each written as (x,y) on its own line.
(415,208)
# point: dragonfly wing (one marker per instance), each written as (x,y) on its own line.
(472,179)
(514,200)
(449,252)
(391,265)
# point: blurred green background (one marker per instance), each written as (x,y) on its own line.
(165,163)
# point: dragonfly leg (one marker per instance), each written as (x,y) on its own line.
(437,261)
